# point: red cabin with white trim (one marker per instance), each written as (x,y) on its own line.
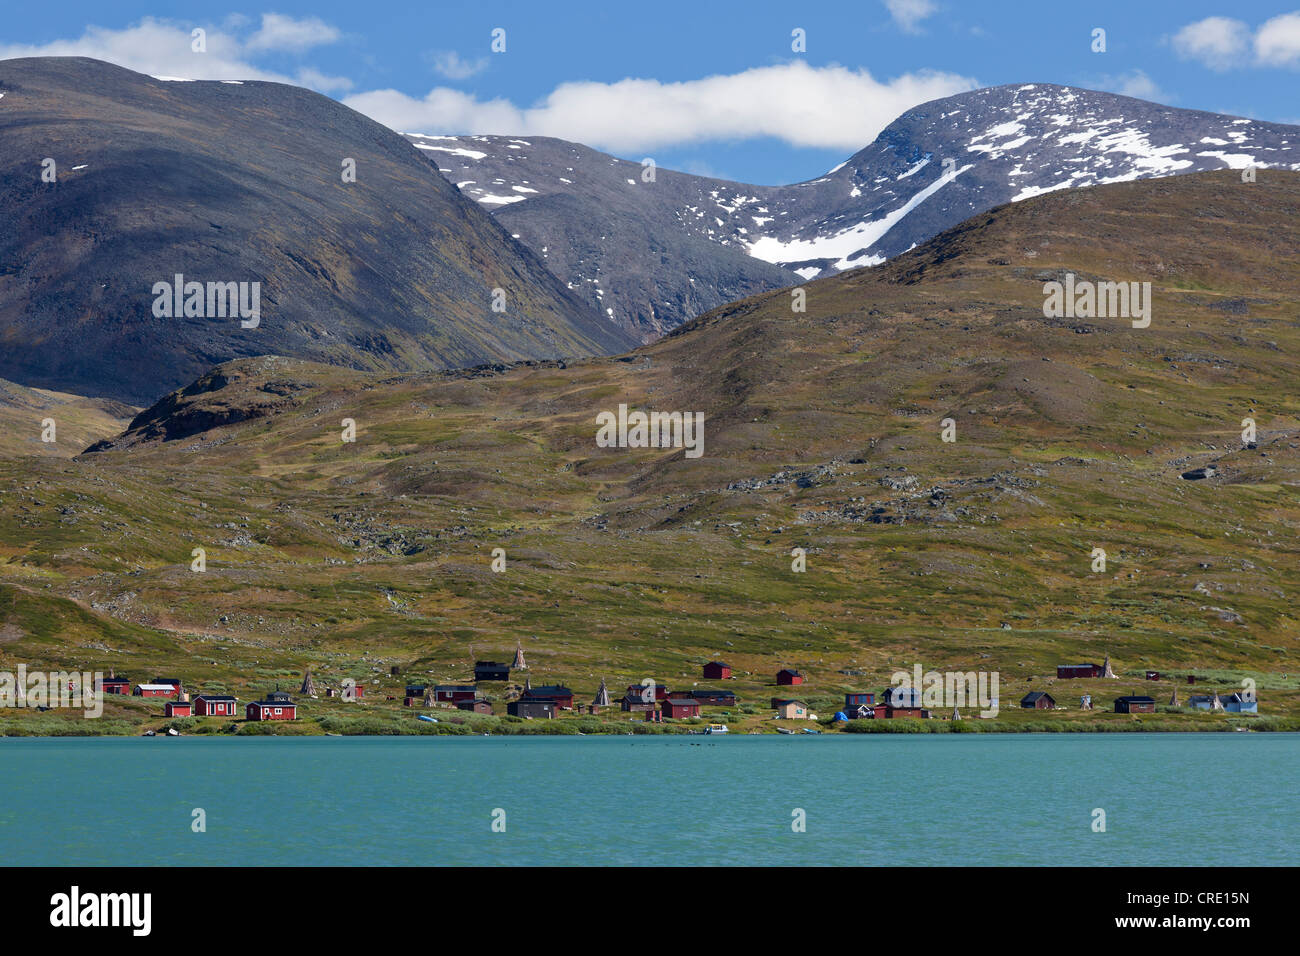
(271,710)
(210,705)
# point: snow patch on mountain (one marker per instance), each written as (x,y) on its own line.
(1005,144)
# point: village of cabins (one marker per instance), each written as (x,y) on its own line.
(652,698)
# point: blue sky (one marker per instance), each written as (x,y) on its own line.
(708,87)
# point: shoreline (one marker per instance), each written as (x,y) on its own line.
(891,728)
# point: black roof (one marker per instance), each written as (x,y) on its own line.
(214,697)
(1035,694)
(1139,699)
(492,664)
(548,690)
(445,687)
(710,692)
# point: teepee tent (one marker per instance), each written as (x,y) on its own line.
(1218,704)
(308,685)
(956,714)
(602,695)
(428,696)
(1173,698)
(1105,668)
(519,664)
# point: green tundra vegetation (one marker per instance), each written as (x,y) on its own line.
(822,433)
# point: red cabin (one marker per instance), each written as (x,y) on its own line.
(716,670)
(1070,671)
(271,710)
(209,705)
(638,691)
(454,693)
(115,685)
(888,711)
(154,690)
(178,708)
(673,707)
(788,677)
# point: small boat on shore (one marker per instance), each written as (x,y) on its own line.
(717,729)
(784,730)
(426,718)
(149,733)
(173,732)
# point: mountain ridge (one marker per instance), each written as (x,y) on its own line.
(1006,143)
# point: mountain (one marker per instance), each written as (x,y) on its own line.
(640,250)
(822,432)
(229,182)
(636,250)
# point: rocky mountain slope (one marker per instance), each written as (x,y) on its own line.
(243,182)
(651,254)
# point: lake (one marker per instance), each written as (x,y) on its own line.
(972,799)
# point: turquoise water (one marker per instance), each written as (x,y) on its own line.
(1177,799)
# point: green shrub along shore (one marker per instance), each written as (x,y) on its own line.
(453,724)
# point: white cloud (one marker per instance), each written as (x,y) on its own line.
(1277,43)
(1218,42)
(162,48)
(908,14)
(1135,83)
(314,79)
(279,32)
(1222,43)
(450,65)
(828,107)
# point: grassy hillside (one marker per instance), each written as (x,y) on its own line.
(78,421)
(822,433)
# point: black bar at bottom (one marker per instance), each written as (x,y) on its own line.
(587,903)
